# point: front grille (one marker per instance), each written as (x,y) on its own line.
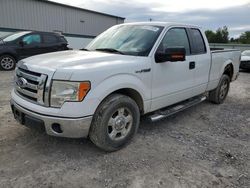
(245,62)
(30,85)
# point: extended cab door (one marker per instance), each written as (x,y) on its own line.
(173,81)
(201,59)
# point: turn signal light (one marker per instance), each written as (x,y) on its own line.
(84,88)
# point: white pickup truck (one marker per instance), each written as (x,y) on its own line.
(132,69)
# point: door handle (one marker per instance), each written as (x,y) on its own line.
(191,65)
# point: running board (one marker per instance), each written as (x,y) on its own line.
(160,114)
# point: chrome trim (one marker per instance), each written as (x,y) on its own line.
(40,91)
(25,92)
(47,91)
(34,85)
(172,110)
(26,75)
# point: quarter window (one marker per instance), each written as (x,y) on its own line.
(176,37)
(198,42)
(32,39)
(49,39)
(62,39)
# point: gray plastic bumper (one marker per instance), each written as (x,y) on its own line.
(55,126)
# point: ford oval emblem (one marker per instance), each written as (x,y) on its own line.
(21,82)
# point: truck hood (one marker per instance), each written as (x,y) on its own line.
(72,59)
(245,58)
(64,63)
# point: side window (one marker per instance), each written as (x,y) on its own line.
(48,39)
(32,39)
(176,37)
(198,42)
(62,39)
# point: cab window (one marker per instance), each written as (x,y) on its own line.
(32,39)
(175,37)
(198,46)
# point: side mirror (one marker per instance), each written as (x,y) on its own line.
(171,54)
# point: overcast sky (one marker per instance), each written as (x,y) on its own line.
(210,14)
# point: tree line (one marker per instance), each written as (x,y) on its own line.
(221,35)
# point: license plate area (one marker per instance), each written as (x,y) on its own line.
(19,116)
(28,121)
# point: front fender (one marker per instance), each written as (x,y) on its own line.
(121,81)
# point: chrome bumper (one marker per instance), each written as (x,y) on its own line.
(68,127)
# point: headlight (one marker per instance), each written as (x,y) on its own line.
(63,91)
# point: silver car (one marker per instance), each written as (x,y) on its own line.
(245,60)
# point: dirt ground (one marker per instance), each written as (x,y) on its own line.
(205,146)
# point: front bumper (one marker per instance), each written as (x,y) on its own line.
(55,126)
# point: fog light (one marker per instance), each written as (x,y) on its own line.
(56,127)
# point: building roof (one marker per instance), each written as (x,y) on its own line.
(78,8)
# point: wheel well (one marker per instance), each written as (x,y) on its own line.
(229,70)
(10,54)
(133,94)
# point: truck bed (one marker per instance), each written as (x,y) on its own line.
(219,58)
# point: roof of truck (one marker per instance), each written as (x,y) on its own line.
(164,24)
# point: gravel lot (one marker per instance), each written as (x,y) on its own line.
(205,146)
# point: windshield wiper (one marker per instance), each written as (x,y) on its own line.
(112,50)
(84,49)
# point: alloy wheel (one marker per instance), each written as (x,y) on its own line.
(119,124)
(7,63)
(223,89)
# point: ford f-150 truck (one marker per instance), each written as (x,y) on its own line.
(131,69)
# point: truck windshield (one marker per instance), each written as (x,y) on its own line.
(135,40)
(14,36)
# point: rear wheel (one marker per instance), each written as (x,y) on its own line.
(218,95)
(7,62)
(115,122)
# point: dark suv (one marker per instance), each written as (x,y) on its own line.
(23,44)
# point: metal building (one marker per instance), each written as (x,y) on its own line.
(78,25)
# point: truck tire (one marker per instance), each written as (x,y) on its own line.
(115,122)
(219,94)
(7,62)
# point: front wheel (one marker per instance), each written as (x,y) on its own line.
(7,62)
(115,122)
(219,94)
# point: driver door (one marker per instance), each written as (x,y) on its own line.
(172,82)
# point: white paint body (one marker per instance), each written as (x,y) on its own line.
(166,84)
(245,58)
